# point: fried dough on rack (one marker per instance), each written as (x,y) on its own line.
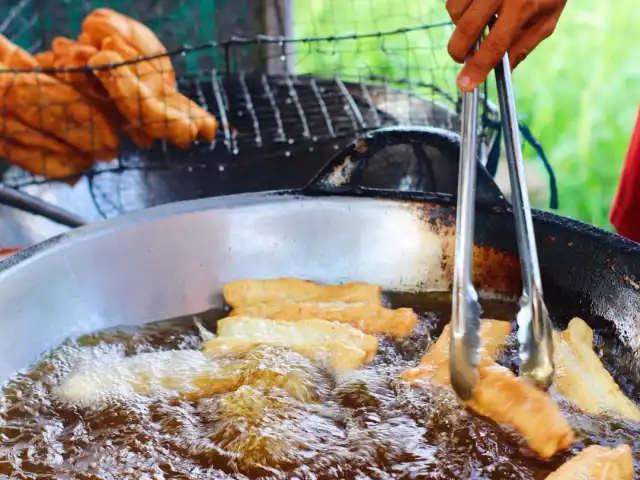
(41,161)
(598,463)
(373,319)
(336,345)
(246,292)
(46,104)
(12,56)
(499,394)
(158,85)
(104,22)
(15,130)
(45,59)
(434,364)
(581,377)
(141,108)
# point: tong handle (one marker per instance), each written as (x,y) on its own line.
(534,326)
(464,345)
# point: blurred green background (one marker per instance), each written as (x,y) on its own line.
(579,92)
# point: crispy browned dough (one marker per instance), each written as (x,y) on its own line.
(45,59)
(434,364)
(598,463)
(47,104)
(499,394)
(138,104)
(52,165)
(103,22)
(154,80)
(581,377)
(245,292)
(158,85)
(369,318)
(13,56)
(84,82)
(510,400)
(14,129)
(86,39)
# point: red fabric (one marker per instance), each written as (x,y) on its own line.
(625,213)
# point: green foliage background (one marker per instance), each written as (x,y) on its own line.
(579,91)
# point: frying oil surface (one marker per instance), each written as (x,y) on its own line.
(286,418)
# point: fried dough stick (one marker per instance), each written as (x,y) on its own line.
(598,463)
(499,394)
(45,59)
(138,104)
(246,292)
(53,165)
(14,129)
(47,104)
(338,345)
(373,319)
(13,56)
(581,377)
(104,378)
(104,22)
(158,85)
(69,53)
(434,363)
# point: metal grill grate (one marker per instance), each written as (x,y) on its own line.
(285,104)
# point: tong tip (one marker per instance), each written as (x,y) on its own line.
(536,343)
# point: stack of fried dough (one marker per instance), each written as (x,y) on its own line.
(57,121)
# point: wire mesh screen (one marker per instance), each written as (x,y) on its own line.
(264,92)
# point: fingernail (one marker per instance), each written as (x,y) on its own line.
(464,82)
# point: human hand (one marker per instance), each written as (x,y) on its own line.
(520,27)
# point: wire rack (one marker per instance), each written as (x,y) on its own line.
(289,82)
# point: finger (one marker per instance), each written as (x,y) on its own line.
(530,39)
(456,8)
(470,27)
(491,50)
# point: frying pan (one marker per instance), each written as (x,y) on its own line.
(173,260)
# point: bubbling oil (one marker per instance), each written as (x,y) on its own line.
(284,418)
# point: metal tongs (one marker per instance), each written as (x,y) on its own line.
(534,326)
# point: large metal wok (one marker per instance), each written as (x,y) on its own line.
(173,260)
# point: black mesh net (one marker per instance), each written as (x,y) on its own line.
(288,83)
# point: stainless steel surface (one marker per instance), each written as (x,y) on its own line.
(465,322)
(174,259)
(534,326)
(21,200)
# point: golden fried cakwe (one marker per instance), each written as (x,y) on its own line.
(46,104)
(499,394)
(245,292)
(369,318)
(46,59)
(103,23)
(336,345)
(598,463)
(581,377)
(158,86)
(12,56)
(67,53)
(138,104)
(103,377)
(41,161)
(434,364)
